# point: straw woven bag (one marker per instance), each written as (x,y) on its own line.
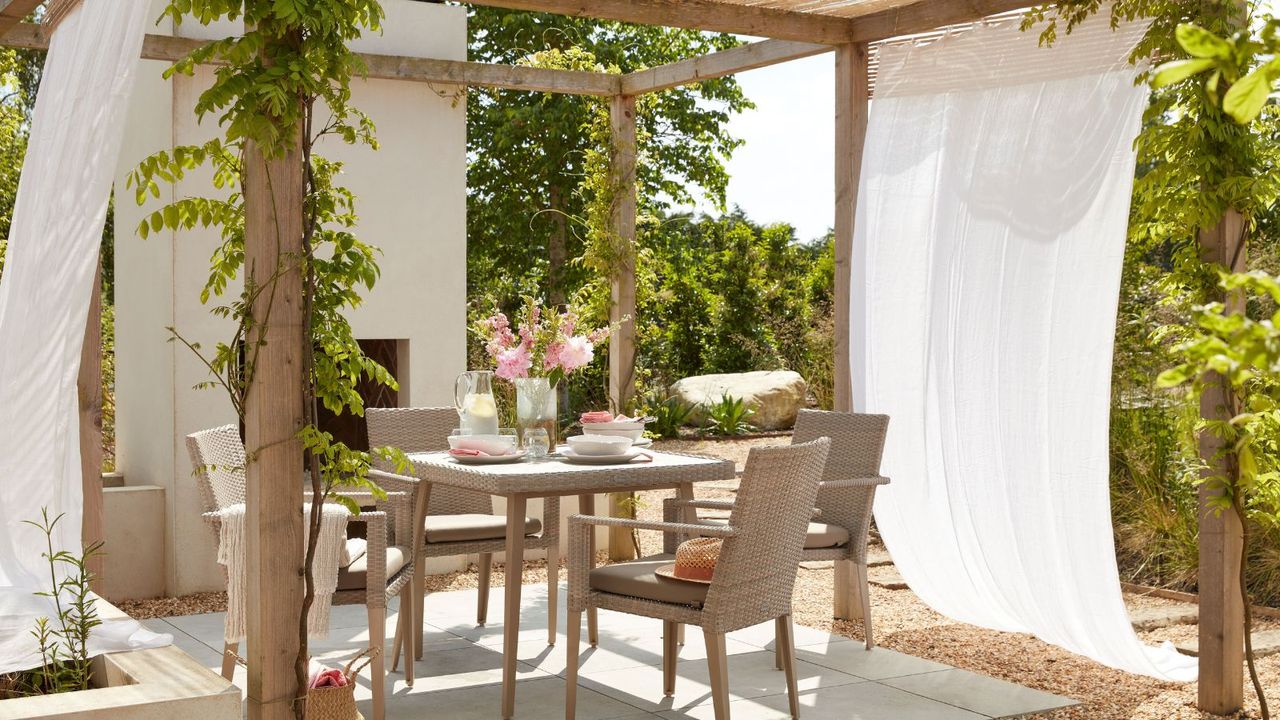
(339,703)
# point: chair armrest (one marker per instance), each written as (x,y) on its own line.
(854,482)
(720,531)
(701,504)
(375,556)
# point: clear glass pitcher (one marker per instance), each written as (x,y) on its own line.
(473,398)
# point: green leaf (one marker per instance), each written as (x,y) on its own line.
(1245,99)
(1201,43)
(1175,72)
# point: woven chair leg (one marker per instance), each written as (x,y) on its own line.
(482,600)
(786,643)
(864,595)
(553,590)
(377,668)
(573,643)
(229,659)
(668,658)
(717,663)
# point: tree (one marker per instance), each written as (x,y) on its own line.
(528,150)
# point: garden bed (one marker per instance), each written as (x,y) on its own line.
(156,684)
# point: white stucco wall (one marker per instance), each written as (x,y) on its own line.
(411,201)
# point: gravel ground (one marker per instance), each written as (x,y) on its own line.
(905,624)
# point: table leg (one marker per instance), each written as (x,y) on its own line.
(516,505)
(687,515)
(587,506)
(413,649)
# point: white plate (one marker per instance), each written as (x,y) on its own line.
(568,455)
(487,459)
(642,442)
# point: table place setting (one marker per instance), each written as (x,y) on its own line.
(606,440)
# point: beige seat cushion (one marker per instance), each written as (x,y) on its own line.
(638,579)
(353,576)
(820,536)
(470,528)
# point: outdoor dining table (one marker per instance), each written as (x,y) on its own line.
(553,477)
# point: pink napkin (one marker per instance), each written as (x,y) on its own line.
(320,676)
(466,452)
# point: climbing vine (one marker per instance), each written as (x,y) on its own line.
(283,85)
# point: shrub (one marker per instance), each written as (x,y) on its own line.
(729,416)
(670,413)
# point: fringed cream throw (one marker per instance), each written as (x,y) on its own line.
(231,554)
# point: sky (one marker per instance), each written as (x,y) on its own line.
(784,171)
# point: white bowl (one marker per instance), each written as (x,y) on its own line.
(632,430)
(599,445)
(488,444)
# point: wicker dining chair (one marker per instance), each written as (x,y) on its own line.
(753,580)
(385,570)
(841,530)
(459,522)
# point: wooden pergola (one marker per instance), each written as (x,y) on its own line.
(794,29)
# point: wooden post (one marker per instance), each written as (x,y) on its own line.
(622,340)
(273,195)
(1221,627)
(89,389)
(851,133)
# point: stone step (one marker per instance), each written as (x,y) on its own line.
(887,578)
(1152,618)
(1265,642)
(877,556)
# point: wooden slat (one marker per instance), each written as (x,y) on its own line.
(273,198)
(851,135)
(725,62)
(925,15)
(89,392)
(56,11)
(389,67)
(1221,630)
(698,15)
(12,12)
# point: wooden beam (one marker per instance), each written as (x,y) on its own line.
(89,391)
(622,293)
(1221,626)
(13,12)
(851,134)
(719,64)
(925,15)
(698,15)
(622,342)
(388,67)
(273,198)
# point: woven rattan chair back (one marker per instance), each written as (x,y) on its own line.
(757,569)
(424,429)
(857,444)
(218,458)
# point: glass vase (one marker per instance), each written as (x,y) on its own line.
(536,408)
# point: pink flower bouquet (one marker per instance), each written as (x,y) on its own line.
(543,343)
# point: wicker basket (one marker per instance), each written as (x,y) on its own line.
(339,703)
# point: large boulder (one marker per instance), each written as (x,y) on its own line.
(775,395)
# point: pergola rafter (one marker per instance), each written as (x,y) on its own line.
(796,29)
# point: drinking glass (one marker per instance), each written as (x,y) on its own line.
(537,442)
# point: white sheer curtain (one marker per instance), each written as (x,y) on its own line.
(76,133)
(990,231)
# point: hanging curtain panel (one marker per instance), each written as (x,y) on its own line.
(76,131)
(990,231)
